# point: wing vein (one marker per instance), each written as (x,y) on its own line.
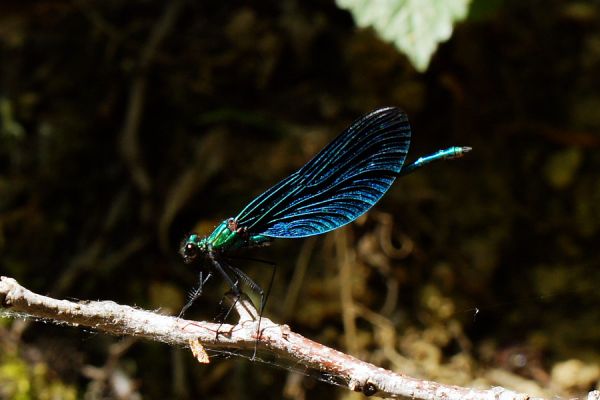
(339,184)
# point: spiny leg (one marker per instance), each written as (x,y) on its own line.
(221,267)
(234,292)
(232,285)
(250,282)
(225,264)
(195,293)
(255,287)
(258,290)
(225,311)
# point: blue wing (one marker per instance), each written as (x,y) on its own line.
(339,184)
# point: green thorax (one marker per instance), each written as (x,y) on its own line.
(226,236)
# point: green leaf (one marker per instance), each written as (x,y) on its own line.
(414,26)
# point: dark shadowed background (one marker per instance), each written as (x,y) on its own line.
(126,124)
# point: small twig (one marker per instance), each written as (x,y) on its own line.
(129,139)
(109,317)
(344,254)
(294,287)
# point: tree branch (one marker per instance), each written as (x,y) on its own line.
(110,317)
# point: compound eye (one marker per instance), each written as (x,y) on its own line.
(190,251)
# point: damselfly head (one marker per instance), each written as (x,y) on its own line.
(191,247)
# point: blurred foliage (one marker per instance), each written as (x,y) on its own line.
(123,125)
(21,380)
